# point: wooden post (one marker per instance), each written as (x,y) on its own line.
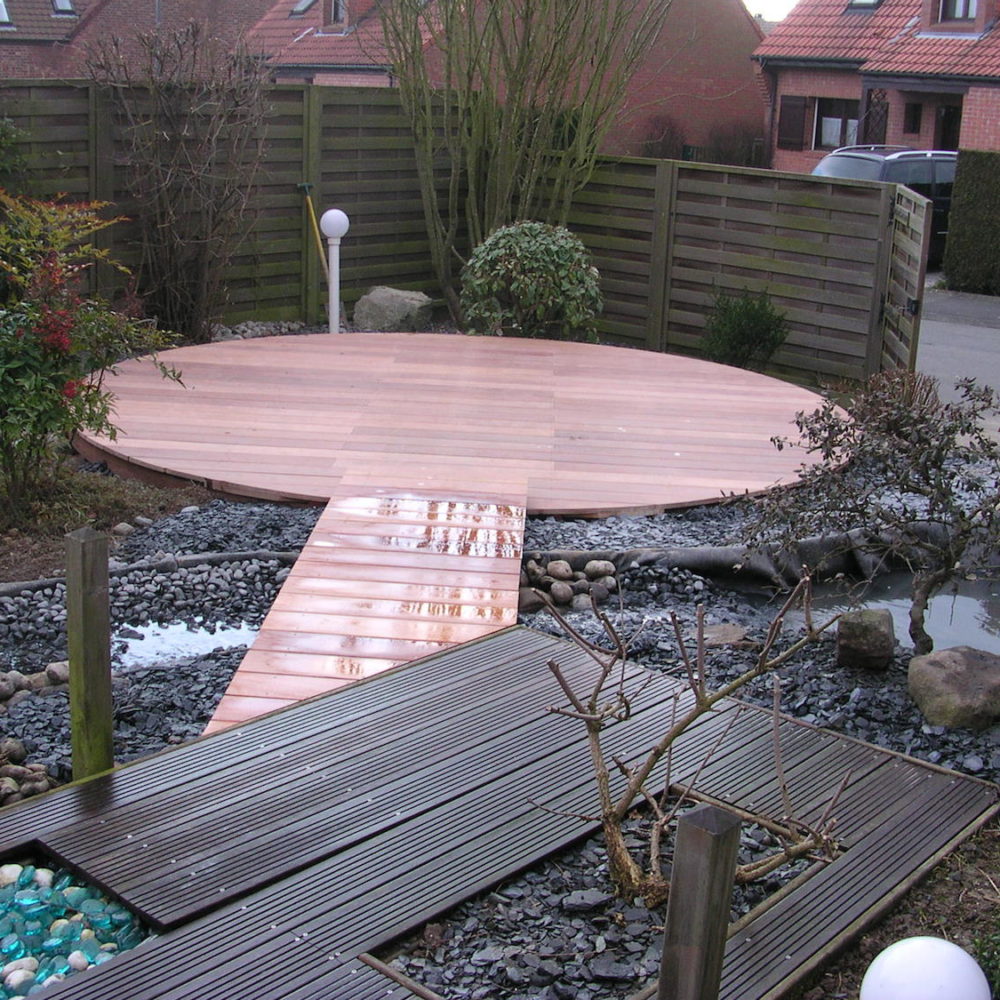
(88,632)
(701,889)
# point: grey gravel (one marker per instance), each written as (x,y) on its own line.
(554,932)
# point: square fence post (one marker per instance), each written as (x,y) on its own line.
(698,909)
(88,633)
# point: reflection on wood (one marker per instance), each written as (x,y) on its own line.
(446,572)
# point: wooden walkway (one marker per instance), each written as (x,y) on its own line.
(574,428)
(272,856)
(430,448)
(380,582)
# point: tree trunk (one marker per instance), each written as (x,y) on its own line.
(924,586)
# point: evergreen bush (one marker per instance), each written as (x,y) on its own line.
(972,253)
(744,330)
(530,279)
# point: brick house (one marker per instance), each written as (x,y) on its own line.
(50,38)
(698,80)
(920,73)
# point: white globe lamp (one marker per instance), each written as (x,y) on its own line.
(924,968)
(334,224)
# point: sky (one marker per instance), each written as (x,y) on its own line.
(771,10)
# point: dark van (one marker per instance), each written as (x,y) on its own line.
(930,172)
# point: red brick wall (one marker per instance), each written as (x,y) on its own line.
(810,84)
(699,74)
(224,19)
(980,114)
(981,119)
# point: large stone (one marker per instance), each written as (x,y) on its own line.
(392,309)
(559,569)
(957,687)
(865,639)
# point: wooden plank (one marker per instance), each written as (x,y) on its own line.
(389,866)
(338,403)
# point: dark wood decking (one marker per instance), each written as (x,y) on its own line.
(306,838)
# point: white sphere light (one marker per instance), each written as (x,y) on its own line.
(924,968)
(334,223)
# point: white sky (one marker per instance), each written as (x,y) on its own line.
(771,10)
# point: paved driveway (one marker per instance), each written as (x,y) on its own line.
(959,336)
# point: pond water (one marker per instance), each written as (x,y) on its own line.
(160,643)
(966,614)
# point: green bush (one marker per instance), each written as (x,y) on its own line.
(530,279)
(12,165)
(56,348)
(972,253)
(744,330)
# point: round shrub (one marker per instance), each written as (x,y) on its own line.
(530,279)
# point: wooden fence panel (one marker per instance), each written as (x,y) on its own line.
(615,216)
(666,236)
(812,245)
(367,168)
(266,280)
(911,234)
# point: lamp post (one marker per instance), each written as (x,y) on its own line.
(334,224)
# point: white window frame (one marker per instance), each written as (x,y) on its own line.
(958,10)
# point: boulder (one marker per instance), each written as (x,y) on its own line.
(528,600)
(597,568)
(559,569)
(865,639)
(58,672)
(957,687)
(392,309)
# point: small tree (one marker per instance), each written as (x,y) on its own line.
(509,103)
(192,113)
(56,349)
(610,701)
(910,476)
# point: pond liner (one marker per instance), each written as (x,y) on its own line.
(859,554)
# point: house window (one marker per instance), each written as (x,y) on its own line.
(912,115)
(862,4)
(63,6)
(338,11)
(4,16)
(301,7)
(792,123)
(836,123)
(958,10)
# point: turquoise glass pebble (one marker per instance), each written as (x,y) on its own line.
(52,920)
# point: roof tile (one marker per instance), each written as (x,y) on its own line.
(886,40)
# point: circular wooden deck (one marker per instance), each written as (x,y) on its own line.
(574,428)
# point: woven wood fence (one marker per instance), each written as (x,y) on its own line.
(666,236)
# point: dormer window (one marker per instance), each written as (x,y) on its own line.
(5,20)
(301,7)
(63,7)
(957,10)
(338,11)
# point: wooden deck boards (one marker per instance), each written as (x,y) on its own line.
(327,830)
(572,428)
(381,581)
(429,449)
